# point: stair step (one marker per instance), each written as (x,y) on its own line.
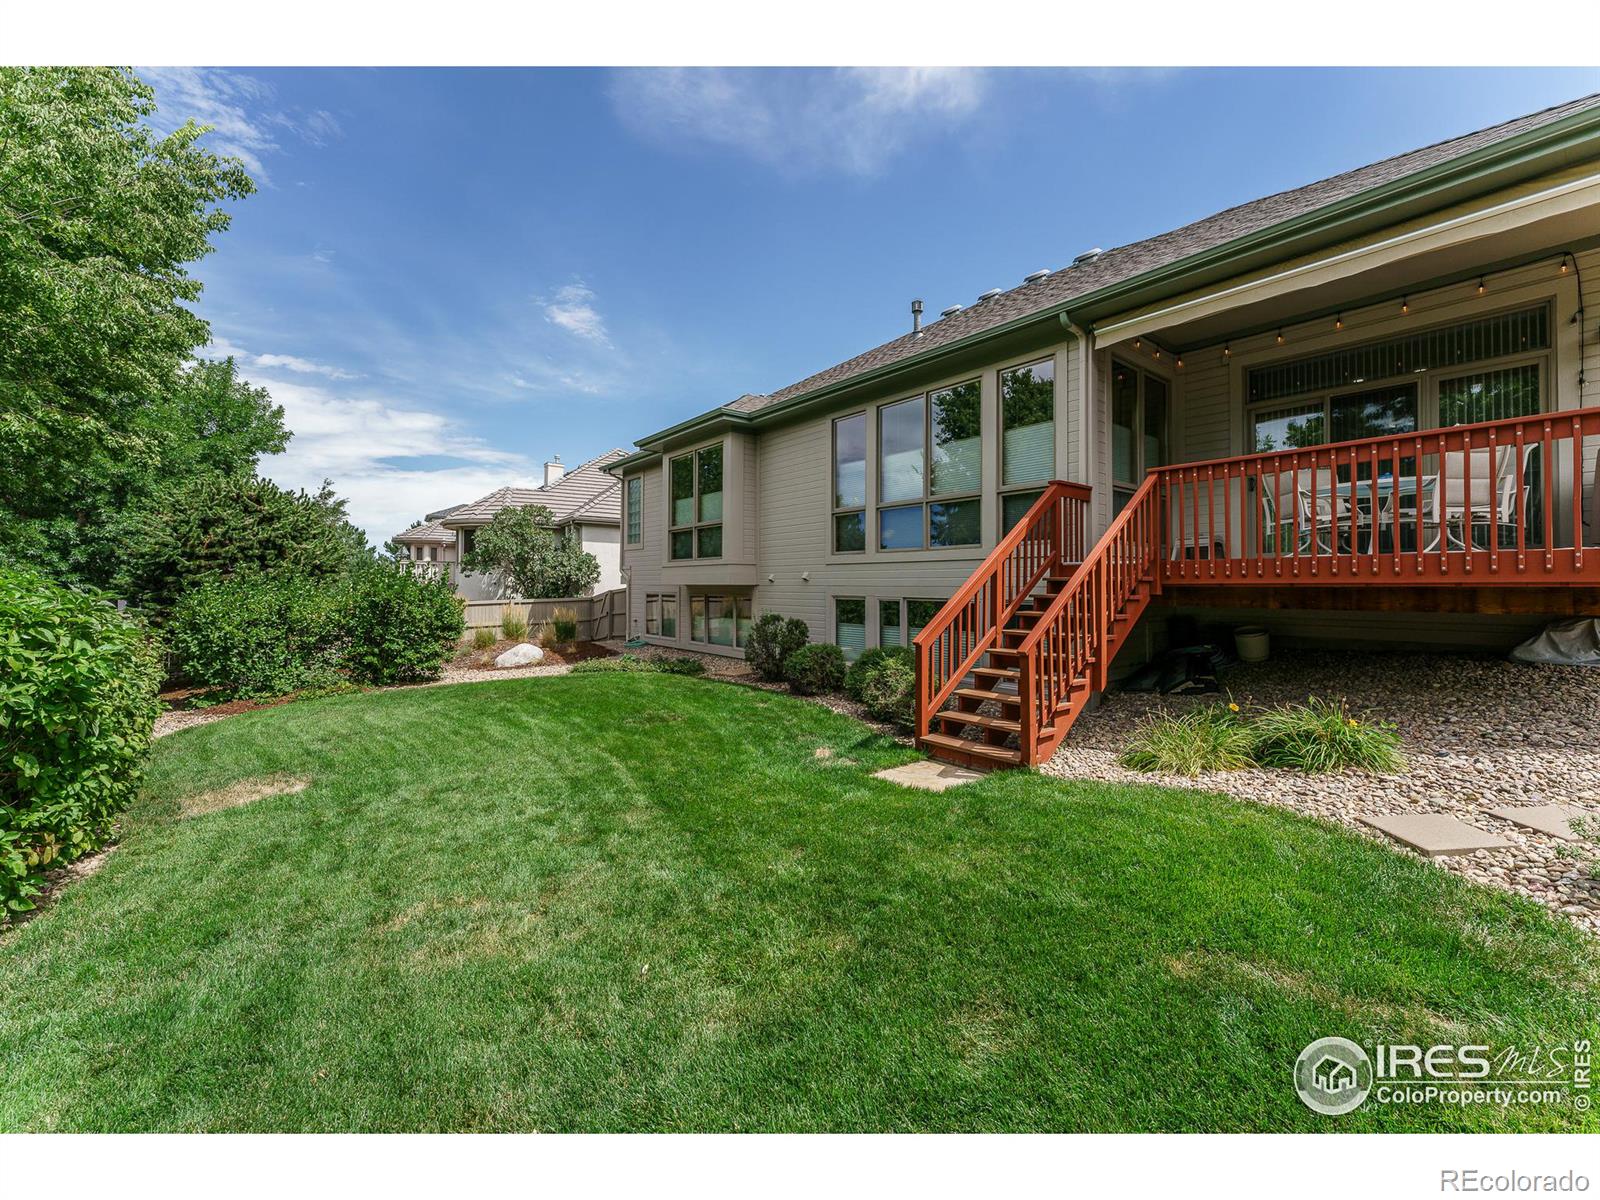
(1010,652)
(982,696)
(1011,673)
(962,719)
(942,745)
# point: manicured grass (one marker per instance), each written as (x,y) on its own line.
(626,902)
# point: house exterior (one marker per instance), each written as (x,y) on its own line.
(429,545)
(1356,413)
(585,503)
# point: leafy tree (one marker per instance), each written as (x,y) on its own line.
(521,548)
(216,526)
(99,218)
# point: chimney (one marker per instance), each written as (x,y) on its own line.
(553,470)
(916,316)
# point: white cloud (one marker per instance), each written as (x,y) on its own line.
(573,309)
(239,108)
(349,440)
(301,365)
(850,119)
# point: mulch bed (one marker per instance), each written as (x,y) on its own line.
(472,659)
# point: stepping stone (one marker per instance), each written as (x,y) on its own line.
(1433,835)
(1554,819)
(928,775)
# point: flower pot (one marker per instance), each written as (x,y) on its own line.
(1252,642)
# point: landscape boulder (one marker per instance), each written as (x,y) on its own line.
(523,654)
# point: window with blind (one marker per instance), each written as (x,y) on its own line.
(695,484)
(930,470)
(850,484)
(1490,395)
(850,625)
(635,497)
(717,619)
(889,623)
(1028,424)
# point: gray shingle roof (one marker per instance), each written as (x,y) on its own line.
(586,492)
(1126,262)
(429,533)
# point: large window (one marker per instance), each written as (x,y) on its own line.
(889,623)
(1138,428)
(696,484)
(930,470)
(1028,424)
(850,625)
(1490,395)
(635,498)
(1343,417)
(850,484)
(719,619)
(661,615)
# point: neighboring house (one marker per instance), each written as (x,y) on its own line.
(585,502)
(1183,416)
(428,544)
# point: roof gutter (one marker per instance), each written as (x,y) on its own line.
(1565,134)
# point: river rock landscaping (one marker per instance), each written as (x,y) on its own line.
(1478,734)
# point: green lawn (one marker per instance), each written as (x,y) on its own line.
(642,902)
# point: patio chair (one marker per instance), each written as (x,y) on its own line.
(1479,507)
(1311,502)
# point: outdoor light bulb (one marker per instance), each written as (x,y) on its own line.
(1227,352)
(1280,337)
(1480,287)
(1137,342)
(1563,266)
(1338,322)
(1405,305)
(1180,360)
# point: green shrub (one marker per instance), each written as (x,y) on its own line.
(513,627)
(680,666)
(77,702)
(856,677)
(399,626)
(815,670)
(772,639)
(1213,737)
(1320,736)
(889,690)
(254,635)
(482,638)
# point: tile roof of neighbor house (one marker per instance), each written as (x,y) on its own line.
(1127,262)
(426,533)
(584,493)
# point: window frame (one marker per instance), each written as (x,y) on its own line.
(737,606)
(633,509)
(1003,488)
(661,602)
(1427,383)
(928,498)
(862,600)
(835,510)
(1141,468)
(695,526)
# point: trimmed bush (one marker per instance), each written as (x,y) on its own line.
(889,690)
(482,638)
(856,677)
(772,639)
(815,670)
(256,636)
(513,627)
(1213,737)
(77,702)
(680,666)
(1320,736)
(399,626)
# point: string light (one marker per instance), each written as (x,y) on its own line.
(1481,286)
(1180,362)
(1564,258)
(1338,321)
(1137,342)
(1280,337)
(1227,350)
(1405,305)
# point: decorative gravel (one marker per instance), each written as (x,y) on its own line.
(1478,734)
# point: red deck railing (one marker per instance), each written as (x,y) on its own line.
(1500,502)
(1050,535)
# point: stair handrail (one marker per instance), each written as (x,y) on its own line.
(1010,572)
(1094,593)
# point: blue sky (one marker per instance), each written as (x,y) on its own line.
(448,276)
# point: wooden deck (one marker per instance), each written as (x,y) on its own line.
(1484,518)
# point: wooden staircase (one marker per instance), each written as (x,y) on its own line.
(1019,651)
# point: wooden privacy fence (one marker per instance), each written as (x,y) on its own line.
(599,617)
